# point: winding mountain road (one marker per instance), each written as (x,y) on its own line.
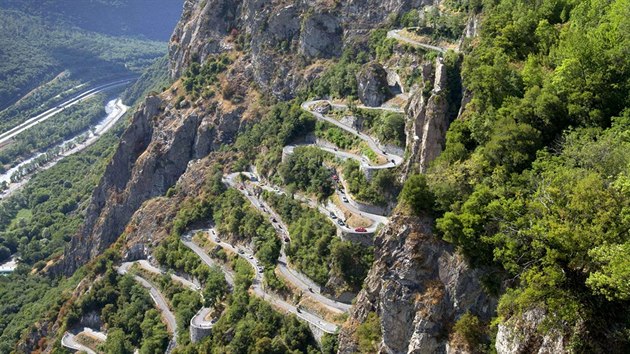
(398,35)
(144,264)
(187,241)
(392,159)
(327,210)
(299,280)
(257,283)
(69,341)
(160,302)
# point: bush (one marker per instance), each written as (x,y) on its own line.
(369,334)
(469,329)
(416,194)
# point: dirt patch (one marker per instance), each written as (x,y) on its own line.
(88,341)
(351,219)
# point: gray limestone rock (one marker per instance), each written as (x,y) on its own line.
(373,85)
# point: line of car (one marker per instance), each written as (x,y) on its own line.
(240,251)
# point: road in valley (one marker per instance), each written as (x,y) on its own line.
(5,137)
(115,110)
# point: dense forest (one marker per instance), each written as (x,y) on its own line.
(533,187)
(534,178)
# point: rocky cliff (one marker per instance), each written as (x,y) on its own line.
(428,111)
(279,45)
(276,31)
(153,153)
(418,287)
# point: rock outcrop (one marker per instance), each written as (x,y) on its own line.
(286,40)
(321,36)
(428,110)
(373,85)
(200,32)
(520,335)
(418,287)
(153,153)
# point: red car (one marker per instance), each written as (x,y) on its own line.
(360,229)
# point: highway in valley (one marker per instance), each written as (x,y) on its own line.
(115,110)
(6,137)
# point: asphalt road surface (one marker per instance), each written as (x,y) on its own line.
(31,122)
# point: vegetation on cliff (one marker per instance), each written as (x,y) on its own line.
(534,178)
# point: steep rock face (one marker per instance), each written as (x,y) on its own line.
(418,287)
(153,153)
(321,36)
(521,335)
(373,85)
(286,40)
(426,136)
(200,31)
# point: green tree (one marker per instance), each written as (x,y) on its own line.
(417,195)
(369,334)
(117,342)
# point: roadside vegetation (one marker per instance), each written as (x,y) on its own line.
(183,301)
(382,188)
(341,138)
(254,326)
(127,310)
(387,127)
(304,170)
(315,248)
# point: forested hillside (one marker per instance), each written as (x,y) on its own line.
(44,41)
(148,19)
(534,179)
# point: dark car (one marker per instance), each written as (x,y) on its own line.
(286,239)
(332,215)
(274,220)
(360,229)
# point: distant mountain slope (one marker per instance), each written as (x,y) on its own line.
(88,40)
(150,19)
